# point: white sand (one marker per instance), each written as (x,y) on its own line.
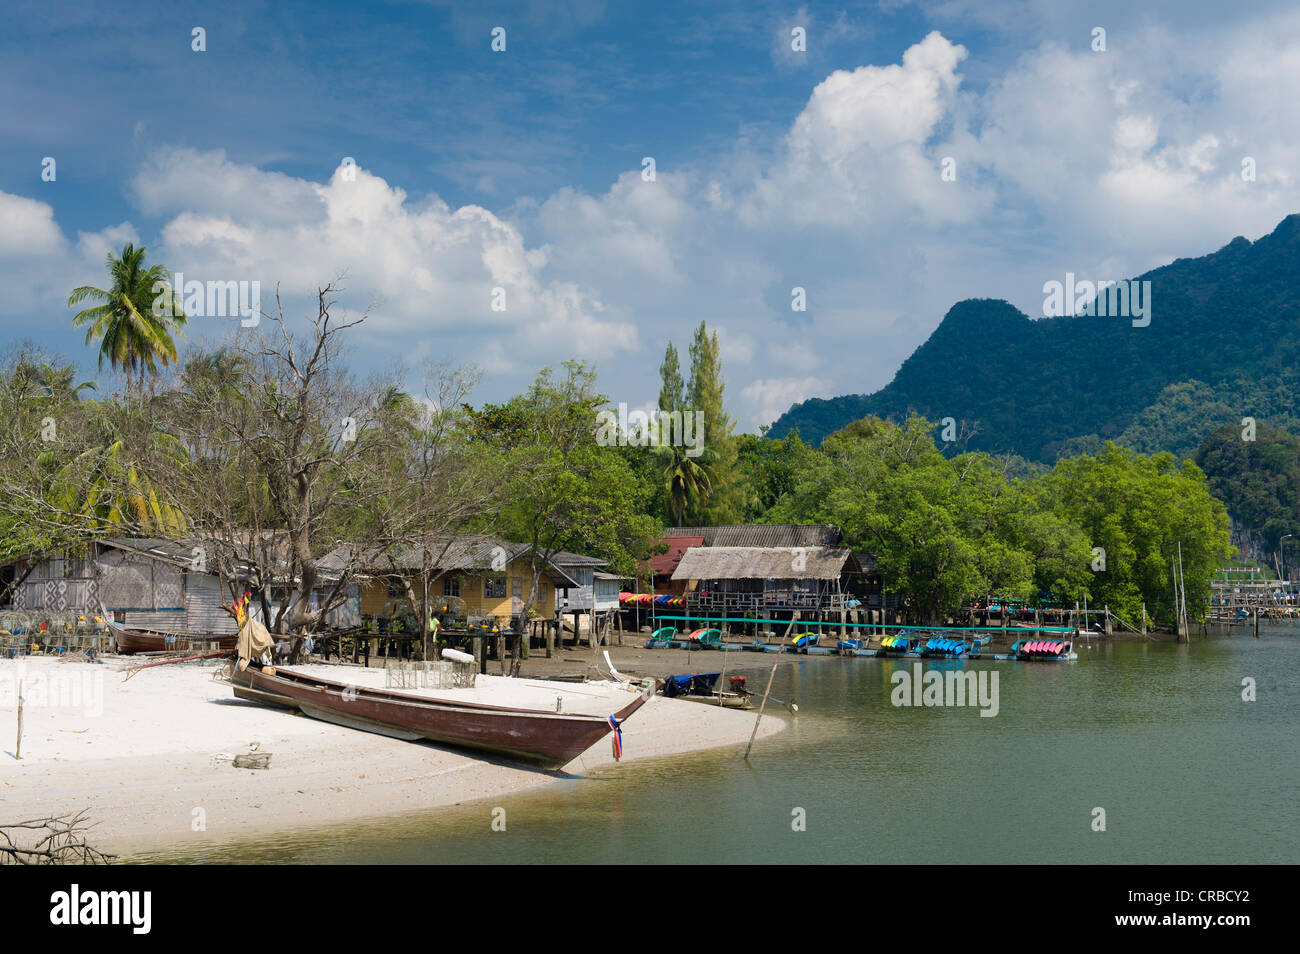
(143,754)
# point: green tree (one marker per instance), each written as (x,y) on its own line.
(687,481)
(705,395)
(563,490)
(1258,480)
(672,390)
(1139,512)
(132,335)
(109,483)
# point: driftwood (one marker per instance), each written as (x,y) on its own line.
(57,840)
(252,760)
(169,662)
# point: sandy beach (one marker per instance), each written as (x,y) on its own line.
(149,757)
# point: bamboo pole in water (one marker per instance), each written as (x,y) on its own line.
(761,706)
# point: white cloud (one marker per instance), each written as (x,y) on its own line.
(767,398)
(39,266)
(1103,164)
(429,268)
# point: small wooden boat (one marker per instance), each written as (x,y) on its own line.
(700,687)
(549,739)
(132,640)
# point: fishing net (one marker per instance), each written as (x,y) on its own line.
(444,674)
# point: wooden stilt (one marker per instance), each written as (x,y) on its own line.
(18,746)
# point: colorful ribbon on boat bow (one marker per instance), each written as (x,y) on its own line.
(618,738)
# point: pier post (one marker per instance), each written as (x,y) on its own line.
(1106,606)
(1144,620)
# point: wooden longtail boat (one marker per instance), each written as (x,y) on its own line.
(548,739)
(701,687)
(131,640)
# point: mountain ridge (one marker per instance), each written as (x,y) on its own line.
(1032,385)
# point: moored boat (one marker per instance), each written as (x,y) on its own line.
(701,687)
(131,639)
(1027,649)
(548,739)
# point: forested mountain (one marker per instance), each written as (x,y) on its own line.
(1258,479)
(1222,344)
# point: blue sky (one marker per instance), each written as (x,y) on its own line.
(522,169)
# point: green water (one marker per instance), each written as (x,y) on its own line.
(1156,734)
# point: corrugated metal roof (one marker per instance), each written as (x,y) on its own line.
(467,553)
(763,563)
(565,558)
(663,564)
(464,554)
(762,535)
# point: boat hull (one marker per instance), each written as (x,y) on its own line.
(728,700)
(130,641)
(547,739)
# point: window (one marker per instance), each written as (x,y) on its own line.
(494,588)
(541,591)
(396,591)
(451,586)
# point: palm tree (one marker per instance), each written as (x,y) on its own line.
(59,384)
(50,384)
(687,480)
(108,483)
(133,336)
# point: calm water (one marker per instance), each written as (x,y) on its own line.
(1156,734)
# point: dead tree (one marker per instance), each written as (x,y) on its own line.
(57,840)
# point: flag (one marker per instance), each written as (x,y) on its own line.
(618,738)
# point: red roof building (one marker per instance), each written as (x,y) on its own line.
(663,565)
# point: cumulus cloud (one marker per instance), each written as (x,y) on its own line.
(867,147)
(39,266)
(427,267)
(767,398)
(1065,159)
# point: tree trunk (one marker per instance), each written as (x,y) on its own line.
(523,621)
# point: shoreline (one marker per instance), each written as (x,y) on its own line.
(148,757)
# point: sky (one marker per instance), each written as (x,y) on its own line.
(495,208)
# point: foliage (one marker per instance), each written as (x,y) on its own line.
(946,531)
(1259,480)
(563,491)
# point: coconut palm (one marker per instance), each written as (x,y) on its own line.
(108,481)
(133,334)
(58,383)
(687,480)
(32,377)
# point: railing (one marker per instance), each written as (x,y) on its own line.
(772,599)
